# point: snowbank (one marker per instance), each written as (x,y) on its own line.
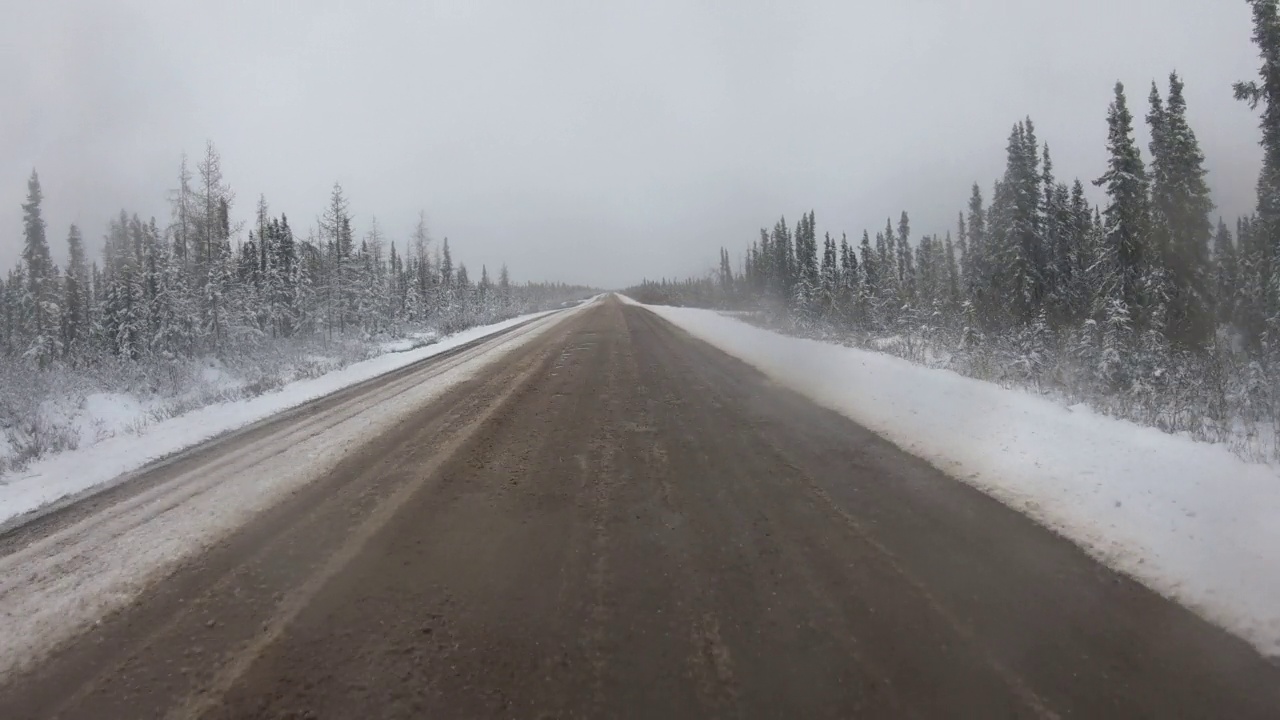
(1190,520)
(107,450)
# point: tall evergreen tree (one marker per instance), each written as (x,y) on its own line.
(1265,93)
(953,274)
(9,312)
(504,287)
(1127,214)
(75,313)
(890,267)
(1254,263)
(43,339)
(784,260)
(446,266)
(906,260)
(850,285)
(1226,274)
(726,271)
(1014,243)
(1078,256)
(1180,225)
(870,268)
(285,279)
(829,277)
(1055,233)
(976,264)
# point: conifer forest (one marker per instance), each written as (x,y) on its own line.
(166,308)
(1147,306)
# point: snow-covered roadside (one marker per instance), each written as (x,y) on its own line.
(76,471)
(1190,520)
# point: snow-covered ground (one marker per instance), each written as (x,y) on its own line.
(116,435)
(1190,520)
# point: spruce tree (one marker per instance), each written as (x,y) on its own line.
(16,307)
(75,312)
(41,302)
(906,260)
(504,288)
(926,273)
(155,261)
(726,272)
(830,277)
(446,266)
(1226,274)
(462,294)
(849,285)
(264,239)
(975,268)
(284,278)
(762,265)
(811,269)
(1254,262)
(8,315)
(1180,224)
(1055,232)
(179,319)
(1014,243)
(1078,256)
(1265,93)
(890,266)
(952,273)
(783,263)
(870,272)
(1127,214)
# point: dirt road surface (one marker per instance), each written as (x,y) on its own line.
(618,520)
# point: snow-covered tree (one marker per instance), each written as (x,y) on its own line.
(76,298)
(1127,214)
(1226,274)
(40,305)
(1180,224)
(1262,253)
(1014,244)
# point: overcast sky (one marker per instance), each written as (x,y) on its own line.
(595,142)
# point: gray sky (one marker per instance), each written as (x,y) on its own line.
(593,142)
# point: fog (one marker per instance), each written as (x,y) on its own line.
(593,142)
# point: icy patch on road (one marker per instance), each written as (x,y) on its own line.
(1188,519)
(108,448)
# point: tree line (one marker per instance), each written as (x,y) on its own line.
(191,288)
(1148,300)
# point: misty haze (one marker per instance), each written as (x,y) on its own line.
(663,359)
